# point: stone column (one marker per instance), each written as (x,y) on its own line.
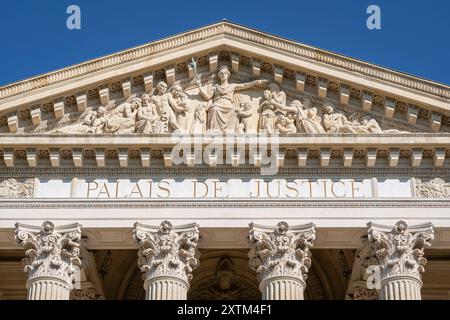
(52,261)
(282,259)
(400,252)
(167,256)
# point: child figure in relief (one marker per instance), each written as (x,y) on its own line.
(281,124)
(266,123)
(290,123)
(199,125)
(244,114)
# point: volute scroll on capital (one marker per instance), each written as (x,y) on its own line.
(51,251)
(167,250)
(282,251)
(400,250)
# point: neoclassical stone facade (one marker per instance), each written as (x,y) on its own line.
(225,163)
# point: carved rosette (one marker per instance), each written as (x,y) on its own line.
(167,256)
(52,257)
(282,258)
(401,256)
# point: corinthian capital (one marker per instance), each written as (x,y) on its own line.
(167,250)
(400,249)
(50,252)
(283,251)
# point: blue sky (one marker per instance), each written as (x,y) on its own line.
(415,35)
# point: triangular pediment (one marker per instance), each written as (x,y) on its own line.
(69,100)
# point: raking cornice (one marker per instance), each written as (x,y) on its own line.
(235,31)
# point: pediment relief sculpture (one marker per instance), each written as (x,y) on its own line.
(224,115)
(247,89)
(258,106)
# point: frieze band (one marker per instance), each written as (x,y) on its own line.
(223,188)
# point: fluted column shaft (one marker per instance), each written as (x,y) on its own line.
(46,288)
(166,288)
(167,257)
(400,288)
(282,259)
(400,251)
(282,288)
(52,261)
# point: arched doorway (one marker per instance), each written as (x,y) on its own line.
(225,275)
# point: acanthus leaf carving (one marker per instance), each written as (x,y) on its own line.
(282,251)
(50,252)
(401,250)
(166,252)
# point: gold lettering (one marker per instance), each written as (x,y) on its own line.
(136,186)
(195,189)
(258,190)
(89,189)
(166,189)
(292,188)
(333,191)
(105,191)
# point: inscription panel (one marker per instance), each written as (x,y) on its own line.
(223,188)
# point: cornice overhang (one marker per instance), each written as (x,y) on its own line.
(292,140)
(225,34)
(298,150)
